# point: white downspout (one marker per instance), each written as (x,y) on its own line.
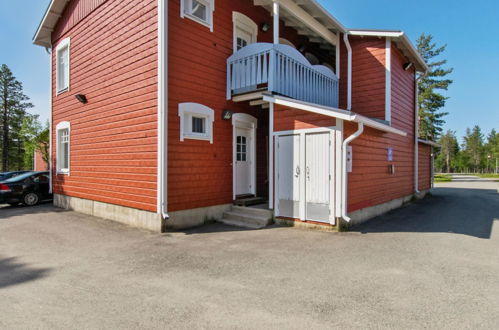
(275,12)
(49,51)
(162,108)
(352,137)
(360,130)
(416,136)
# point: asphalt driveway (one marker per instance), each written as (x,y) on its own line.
(433,264)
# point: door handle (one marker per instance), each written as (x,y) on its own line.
(297,171)
(308,173)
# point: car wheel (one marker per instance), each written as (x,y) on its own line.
(31,199)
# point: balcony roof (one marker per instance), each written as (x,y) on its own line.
(43,35)
(332,112)
(309,18)
(402,42)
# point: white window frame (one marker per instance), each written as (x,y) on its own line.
(62,126)
(188,110)
(66,43)
(185,11)
(244,23)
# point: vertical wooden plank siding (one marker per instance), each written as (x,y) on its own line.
(113,59)
(200,173)
(424,179)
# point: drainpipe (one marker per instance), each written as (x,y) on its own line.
(162,108)
(352,137)
(275,12)
(49,52)
(416,135)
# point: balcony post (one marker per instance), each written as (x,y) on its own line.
(275,12)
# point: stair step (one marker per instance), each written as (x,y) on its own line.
(253,211)
(250,218)
(249,201)
(242,224)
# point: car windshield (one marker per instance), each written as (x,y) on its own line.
(20,177)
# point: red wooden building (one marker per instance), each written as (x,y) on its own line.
(166,113)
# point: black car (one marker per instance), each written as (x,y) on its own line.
(7,175)
(29,188)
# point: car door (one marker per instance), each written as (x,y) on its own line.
(41,185)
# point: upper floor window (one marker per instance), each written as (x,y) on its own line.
(200,11)
(196,121)
(63,130)
(62,66)
(245,30)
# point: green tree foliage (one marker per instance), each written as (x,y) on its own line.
(430,100)
(29,137)
(13,106)
(473,147)
(448,152)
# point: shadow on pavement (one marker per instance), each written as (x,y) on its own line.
(448,210)
(7,211)
(14,273)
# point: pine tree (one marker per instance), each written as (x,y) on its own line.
(448,150)
(492,149)
(13,106)
(473,147)
(430,101)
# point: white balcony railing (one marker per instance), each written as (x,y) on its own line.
(283,70)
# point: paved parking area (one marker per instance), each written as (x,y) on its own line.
(433,264)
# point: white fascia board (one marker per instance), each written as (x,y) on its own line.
(430,143)
(332,112)
(374,33)
(43,33)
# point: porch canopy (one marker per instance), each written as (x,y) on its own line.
(332,112)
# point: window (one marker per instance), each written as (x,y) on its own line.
(245,30)
(63,147)
(62,66)
(196,122)
(200,11)
(241,148)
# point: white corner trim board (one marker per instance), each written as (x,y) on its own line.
(388,80)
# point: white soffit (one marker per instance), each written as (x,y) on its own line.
(43,35)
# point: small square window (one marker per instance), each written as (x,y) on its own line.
(198,125)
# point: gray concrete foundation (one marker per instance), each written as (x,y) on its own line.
(126,215)
(195,217)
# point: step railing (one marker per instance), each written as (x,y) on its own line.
(283,70)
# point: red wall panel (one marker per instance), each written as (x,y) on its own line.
(424,169)
(114,136)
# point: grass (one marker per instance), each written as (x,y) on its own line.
(443,178)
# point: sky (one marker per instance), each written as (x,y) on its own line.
(469,28)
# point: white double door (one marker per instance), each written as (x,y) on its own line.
(304,188)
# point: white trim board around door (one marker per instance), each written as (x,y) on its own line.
(250,123)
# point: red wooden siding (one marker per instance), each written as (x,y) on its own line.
(424,181)
(39,163)
(403,93)
(200,173)
(286,119)
(74,13)
(113,137)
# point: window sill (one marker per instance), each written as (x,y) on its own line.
(62,172)
(200,21)
(198,137)
(62,91)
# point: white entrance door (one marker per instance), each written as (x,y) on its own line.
(304,176)
(317,176)
(288,175)
(244,161)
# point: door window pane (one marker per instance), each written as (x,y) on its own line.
(198,125)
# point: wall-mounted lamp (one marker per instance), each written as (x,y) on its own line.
(407,66)
(227,115)
(82,98)
(265,27)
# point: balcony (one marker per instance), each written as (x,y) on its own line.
(283,70)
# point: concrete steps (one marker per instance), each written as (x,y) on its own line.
(247,217)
